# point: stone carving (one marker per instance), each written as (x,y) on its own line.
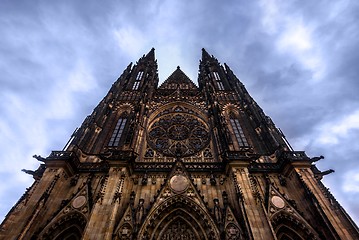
(277,202)
(139,211)
(232,232)
(74,180)
(217,211)
(166,193)
(179,183)
(282,180)
(79,201)
(125,232)
(178,230)
(212,180)
(190,192)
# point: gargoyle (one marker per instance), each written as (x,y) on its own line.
(39,158)
(315,159)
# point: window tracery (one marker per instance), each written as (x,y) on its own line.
(178,133)
(137,82)
(178,230)
(118,131)
(218,81)
(238,131)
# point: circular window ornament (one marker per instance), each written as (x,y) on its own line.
(178,134)
(278,202)
(178,183)
(79,202)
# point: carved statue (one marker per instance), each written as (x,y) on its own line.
(139,211)
(217,211)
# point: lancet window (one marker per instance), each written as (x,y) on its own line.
(238,132)
(117,132)
(218,81)
(138,79)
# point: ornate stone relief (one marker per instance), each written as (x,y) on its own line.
(178,183)
(282,211)
(179,200)
(125,228)
(75,210)
(179,230)
(232,229)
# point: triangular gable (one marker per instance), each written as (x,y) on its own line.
(126,224)
(179,183)
(179,194)
(278,206)
(178,80)
(231,226)
(77,208)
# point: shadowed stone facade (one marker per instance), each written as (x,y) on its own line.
(177,161)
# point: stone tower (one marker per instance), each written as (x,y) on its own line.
(177,161)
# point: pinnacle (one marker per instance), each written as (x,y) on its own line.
(150,55)
(205,55)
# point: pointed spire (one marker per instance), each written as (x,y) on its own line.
(150,55)
(205,55)
(208,58)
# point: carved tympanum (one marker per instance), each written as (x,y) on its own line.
(180,230)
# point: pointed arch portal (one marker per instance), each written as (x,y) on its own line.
(178,225)
(67,227)
(289,227)
(179,217)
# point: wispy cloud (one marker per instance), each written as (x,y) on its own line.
(298,60)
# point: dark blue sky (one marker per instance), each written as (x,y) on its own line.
(298,59)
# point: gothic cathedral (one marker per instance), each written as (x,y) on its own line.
(177,161)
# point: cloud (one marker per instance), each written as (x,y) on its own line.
(298,60)
(331,132)
(130,40)
(351,182)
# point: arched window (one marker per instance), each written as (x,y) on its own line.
(118,131)
(238,131)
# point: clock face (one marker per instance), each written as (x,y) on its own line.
(179,134)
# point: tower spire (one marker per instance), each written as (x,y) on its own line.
(150,55)
(205,55)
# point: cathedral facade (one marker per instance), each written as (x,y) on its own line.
(178,161)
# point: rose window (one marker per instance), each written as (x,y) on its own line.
(178,134)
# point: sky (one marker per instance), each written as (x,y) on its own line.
(298,60)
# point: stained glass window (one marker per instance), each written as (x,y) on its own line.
(238,132)
(117,132)
(137,82)
(218,81)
